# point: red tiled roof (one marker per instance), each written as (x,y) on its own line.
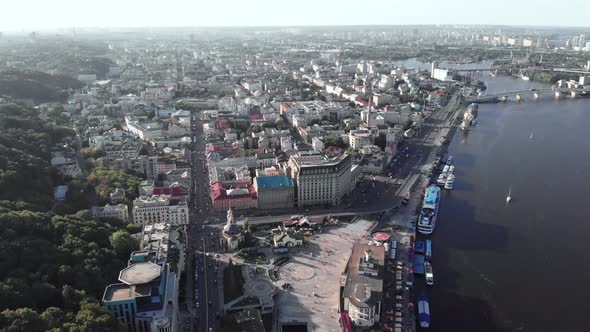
(218,191)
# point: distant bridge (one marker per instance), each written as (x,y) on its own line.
(523,68)
(518,94)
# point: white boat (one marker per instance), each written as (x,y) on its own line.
(525,78)
(442,180)
(509,197)
(531,137)
(464,125)
(428,273)
(450,182)
(429,211)
(451,169)
(445,170)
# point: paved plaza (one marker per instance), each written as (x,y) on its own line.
(314,273)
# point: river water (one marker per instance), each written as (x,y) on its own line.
(519,266)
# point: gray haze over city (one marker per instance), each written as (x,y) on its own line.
(41,15)
(301,166)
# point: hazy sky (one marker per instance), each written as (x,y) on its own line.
(48,14)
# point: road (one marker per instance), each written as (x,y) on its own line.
(202,299)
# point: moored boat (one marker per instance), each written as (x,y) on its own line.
(429,211)
(429,250)
(428,273)
(450,182)
(423,311)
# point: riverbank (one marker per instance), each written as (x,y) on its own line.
(482,246)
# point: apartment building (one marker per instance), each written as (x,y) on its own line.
(119,211)
(320,183)
(160,208)
(146,165)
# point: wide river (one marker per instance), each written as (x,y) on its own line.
(521,266)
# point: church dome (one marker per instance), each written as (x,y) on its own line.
(231,229)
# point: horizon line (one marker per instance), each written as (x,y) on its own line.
(20,30)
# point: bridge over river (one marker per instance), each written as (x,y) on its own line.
(517,95)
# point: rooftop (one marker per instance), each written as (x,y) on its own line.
(270,182)
(121,292)
(363,289)
(140,273)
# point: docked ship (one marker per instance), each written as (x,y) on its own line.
(473,108)
(429,211)
(450,182)
(429,250)
(423,311)
(428,273)
(442,178)
(464,125)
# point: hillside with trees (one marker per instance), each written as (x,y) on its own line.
(25,146)
(53,268)
(37,86)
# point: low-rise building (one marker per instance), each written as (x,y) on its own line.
(359,138)
(116,144)
(275,192)
(119,211)
(157,209)
(236,196)
(363,288)
(265,159)
(287,239)
(117,196)
(60,192)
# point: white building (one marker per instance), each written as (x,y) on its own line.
(146,165)
(286,143)
(380,99)
(442,74)
(156,209)
(359,138)
(116,144)
(119,211)
(317,144)
(363,290)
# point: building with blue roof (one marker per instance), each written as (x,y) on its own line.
(146,296)
(275,192)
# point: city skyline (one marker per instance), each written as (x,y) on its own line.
(62,14)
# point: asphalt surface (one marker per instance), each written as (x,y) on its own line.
(202,297)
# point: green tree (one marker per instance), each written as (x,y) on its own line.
(94,317)
(53,317)
(123,243)
(22,319)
